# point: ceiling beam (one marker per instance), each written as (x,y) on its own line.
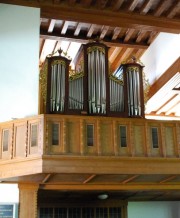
(111,187)
(170,72)
(102,17)
(83,39)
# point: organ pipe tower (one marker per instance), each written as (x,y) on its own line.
(92,89)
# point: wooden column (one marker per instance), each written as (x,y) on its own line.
(28,200)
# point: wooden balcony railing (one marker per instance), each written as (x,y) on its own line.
(89,136)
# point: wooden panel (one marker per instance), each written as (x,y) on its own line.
(6,142)
(73,142)
(55,147)
(106,138)
(155,152)
(170,144)
(139,140)
(90,150)
(20,139)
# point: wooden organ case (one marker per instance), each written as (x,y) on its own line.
(91,89)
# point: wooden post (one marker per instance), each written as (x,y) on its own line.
(28,200)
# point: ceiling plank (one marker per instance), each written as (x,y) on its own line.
(128,35)
(146,6)
(140,36)
(65,27)
(104,31)
(152,36)
(133,5)
(117,5)
(161,7)
(116,33)
(78,29)
(51,25)
(175,8)
(91,30)
(102,17)
(82,39)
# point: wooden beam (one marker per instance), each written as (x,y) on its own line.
(111,187)
(102,17)
(129,179)
(47,177)
(83,39)
(170,72)
(89,179)
(168,179)
(113,165)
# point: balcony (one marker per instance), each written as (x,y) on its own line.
(32,145)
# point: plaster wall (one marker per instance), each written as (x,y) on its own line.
(19,50)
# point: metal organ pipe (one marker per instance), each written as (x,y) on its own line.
(96,80)
(57,92)
(76,96)
(133,85)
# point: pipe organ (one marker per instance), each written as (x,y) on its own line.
(91,89)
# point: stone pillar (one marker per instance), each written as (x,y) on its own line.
(28,200)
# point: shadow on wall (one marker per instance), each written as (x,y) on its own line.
(175,210)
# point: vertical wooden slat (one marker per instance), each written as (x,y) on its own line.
(41,136)
(147,140)
(46,136)
(98,137)
(64,136)
(162,136)
(130,138)
(82,133)
(177,139)
(115,139)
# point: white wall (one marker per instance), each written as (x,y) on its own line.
(9,193)
(19,50)
(154,209)
(160,55)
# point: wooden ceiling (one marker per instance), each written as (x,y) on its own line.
(128,27)
(134,187)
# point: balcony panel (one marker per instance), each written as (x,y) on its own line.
(69,136)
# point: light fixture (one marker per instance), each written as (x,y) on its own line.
(103,196)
